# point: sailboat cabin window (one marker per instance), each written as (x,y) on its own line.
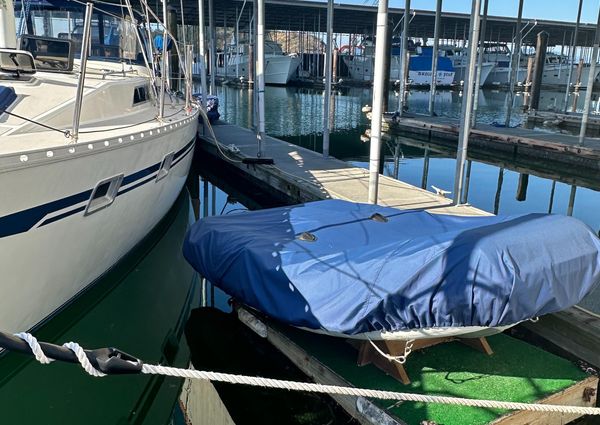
(140,95)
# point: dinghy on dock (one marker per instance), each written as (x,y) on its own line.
(368,272)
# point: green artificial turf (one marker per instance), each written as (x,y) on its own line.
(517,371)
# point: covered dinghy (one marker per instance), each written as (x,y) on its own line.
(363,270)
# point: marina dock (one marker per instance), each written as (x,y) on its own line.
(301,175)
(557,148)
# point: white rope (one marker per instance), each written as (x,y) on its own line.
(311,387)
(83,360)
(35,347)
(360,392)
(398,359)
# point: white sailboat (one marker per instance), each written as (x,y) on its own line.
(82,180)
(279,67)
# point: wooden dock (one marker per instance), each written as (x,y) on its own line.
(303,175)
(553,148)
(300,175)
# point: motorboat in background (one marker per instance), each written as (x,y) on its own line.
(556,68)
(361,66)
(460,62)
(234,62)
(82,179)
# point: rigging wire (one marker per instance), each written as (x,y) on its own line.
(66,133)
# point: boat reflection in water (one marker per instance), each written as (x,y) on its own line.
(140,306)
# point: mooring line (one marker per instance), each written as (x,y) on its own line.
(137,366)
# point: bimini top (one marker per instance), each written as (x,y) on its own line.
(348,268)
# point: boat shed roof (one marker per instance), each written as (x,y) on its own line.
(298,15)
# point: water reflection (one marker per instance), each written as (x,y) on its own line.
(294,112)
(140,306)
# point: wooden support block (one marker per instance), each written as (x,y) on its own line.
(368,354)
(480,344)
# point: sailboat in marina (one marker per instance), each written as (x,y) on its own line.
(95,150)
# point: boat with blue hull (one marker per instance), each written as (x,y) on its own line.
(361,66)
(369,272)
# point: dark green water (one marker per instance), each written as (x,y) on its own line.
(295,115)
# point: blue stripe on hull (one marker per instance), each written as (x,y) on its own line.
(22,221)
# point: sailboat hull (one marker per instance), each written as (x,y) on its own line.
(52,245)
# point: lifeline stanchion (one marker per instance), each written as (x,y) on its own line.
(103,361)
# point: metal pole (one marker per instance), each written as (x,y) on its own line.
(425,175)
(188,76)
(434,58)
(260,74)
(202,50)
(403,69)
(377,104)
(213,49)
(465,197)
(226,51)
(479,62)
(590,84)
(397,159)
(237,41)
(465,117)
(85,48)
(328,71)
(572,54)
(551,202)
(164,75)
(571,200)
(514,65)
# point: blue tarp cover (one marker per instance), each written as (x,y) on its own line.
(416,270)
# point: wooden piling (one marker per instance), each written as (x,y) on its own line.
(538,69)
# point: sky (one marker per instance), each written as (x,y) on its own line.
(558,10)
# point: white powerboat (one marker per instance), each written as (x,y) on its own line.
(279,67)
(82,179)
(555,73)
(459,58)
(361,66)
